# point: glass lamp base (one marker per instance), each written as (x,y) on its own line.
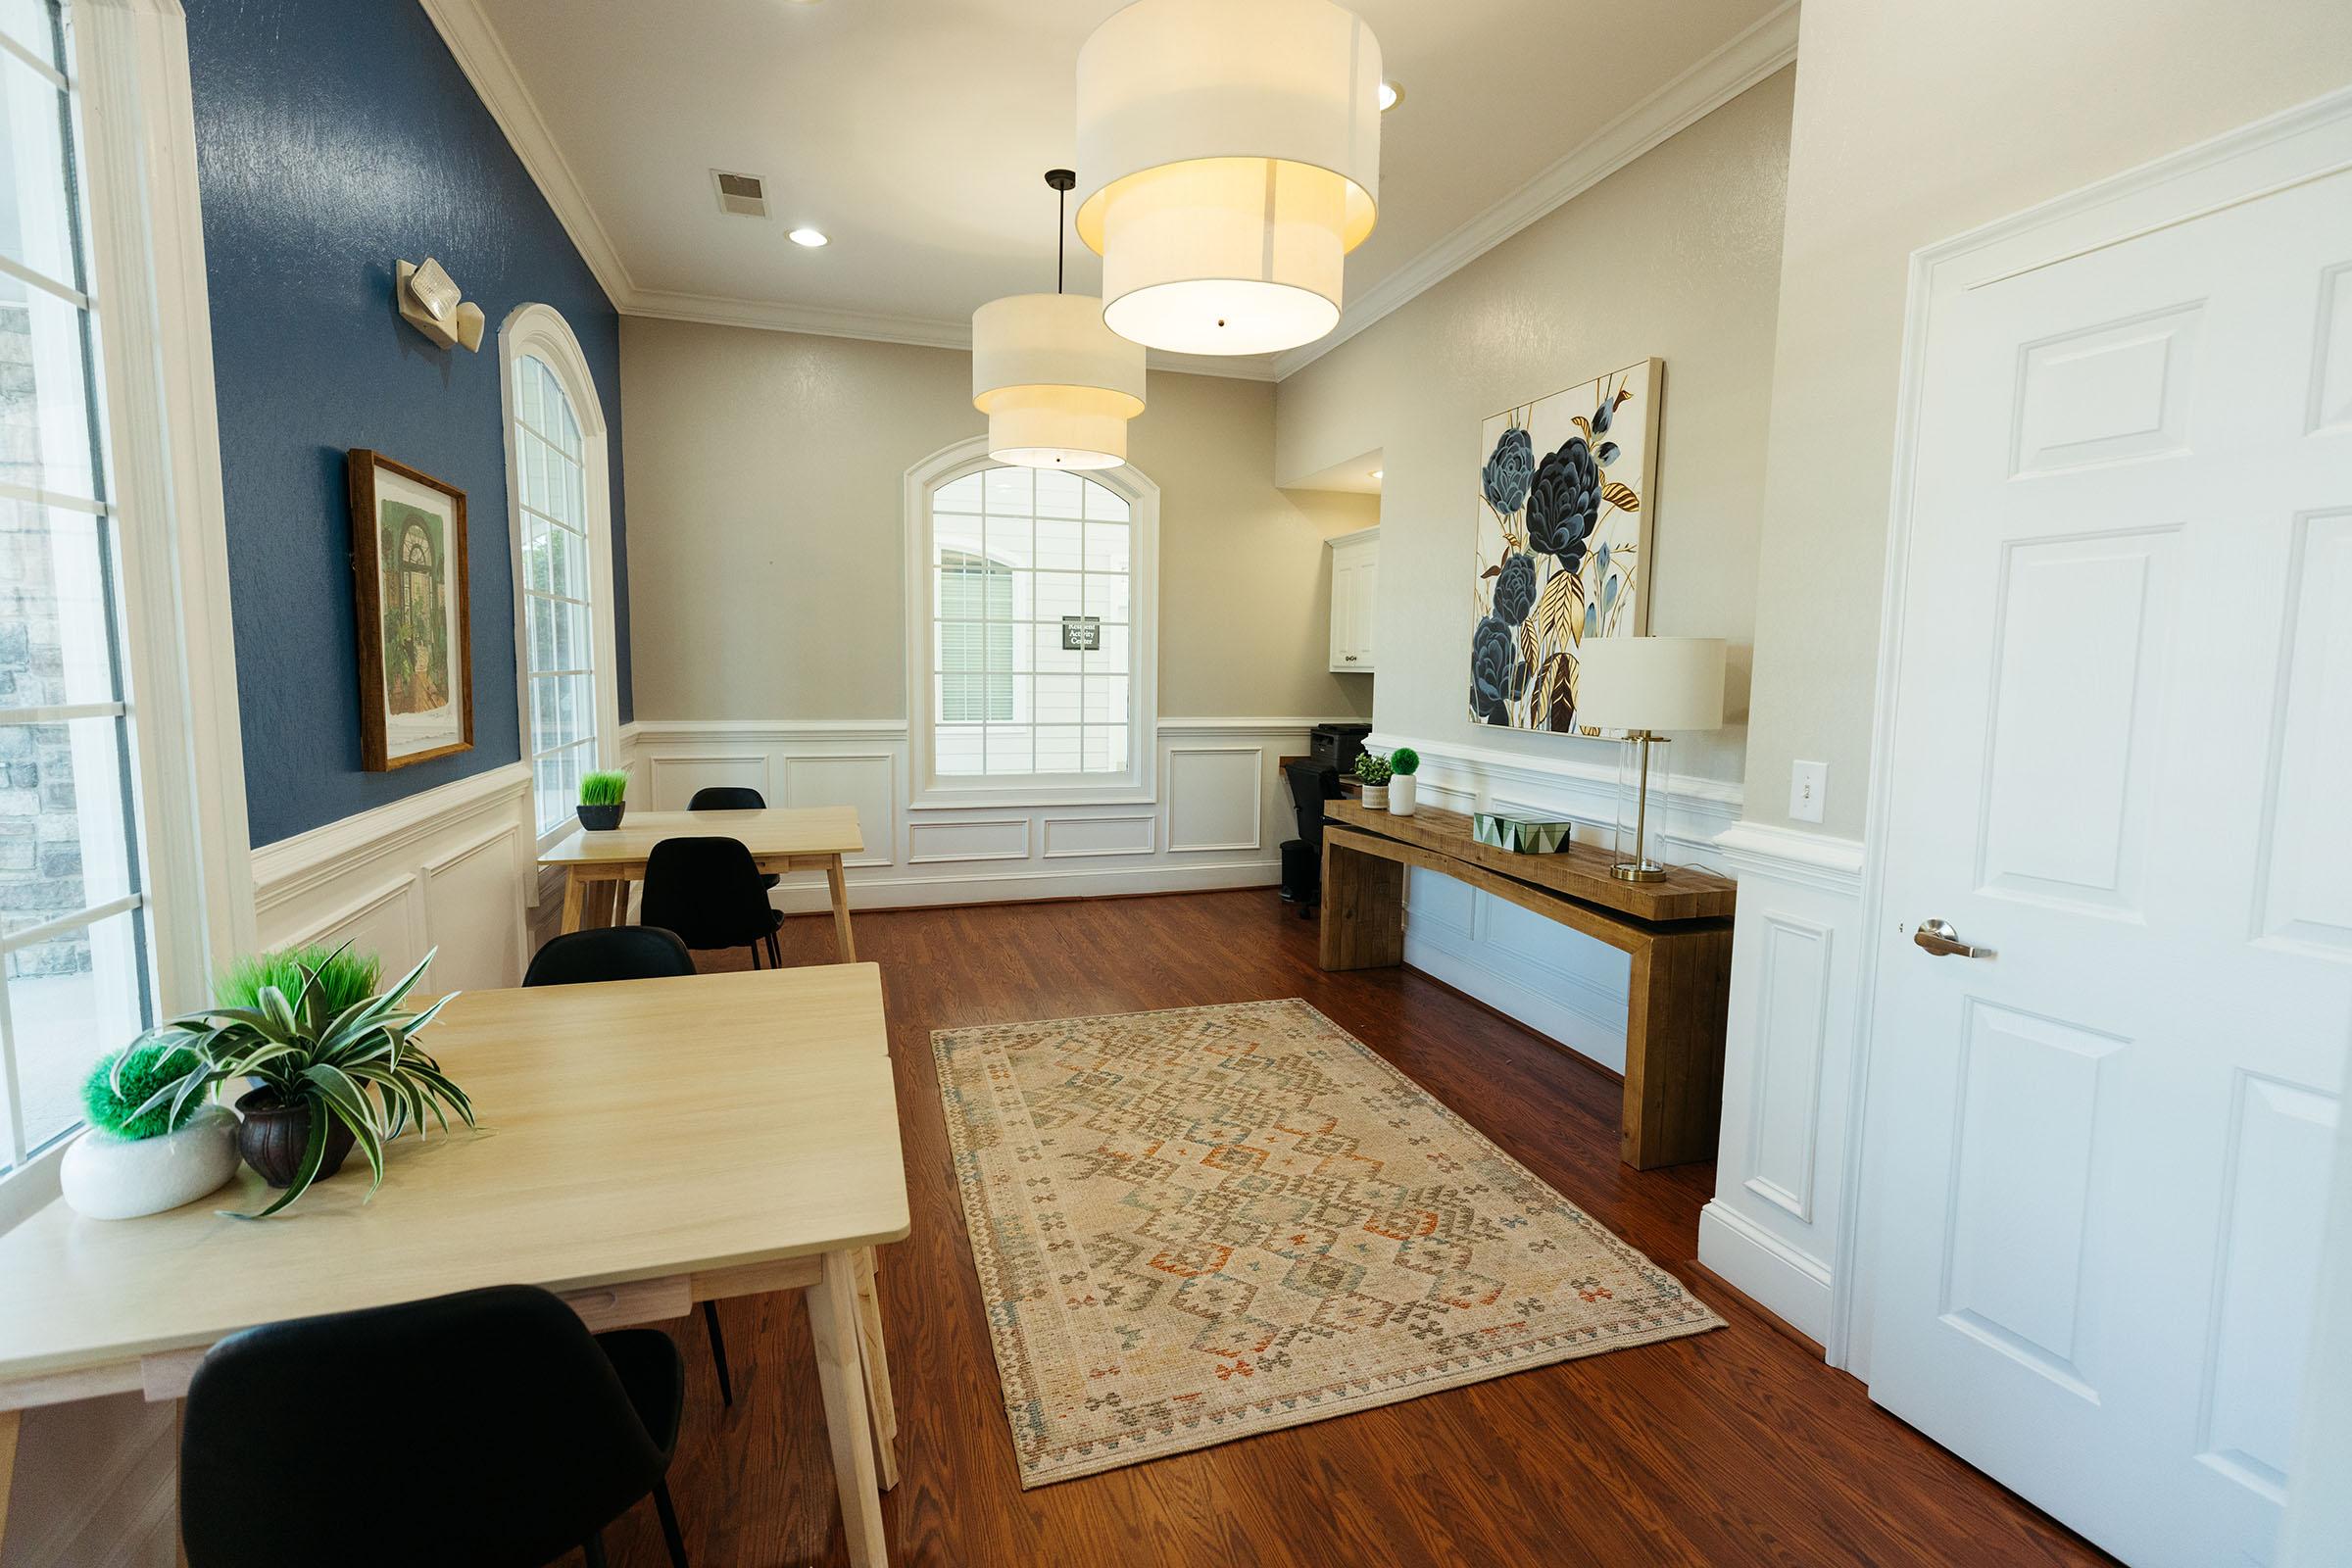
(1637,871)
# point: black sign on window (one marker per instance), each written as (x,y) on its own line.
(1081,634)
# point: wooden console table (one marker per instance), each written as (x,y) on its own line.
(1678,933)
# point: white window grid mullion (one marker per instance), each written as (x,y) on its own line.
(556,598)
(578,530)
(553,445)
(47,70)
(588,740)
(34,494)
(63,712)
(11,1088)
(32,936)
(34,278)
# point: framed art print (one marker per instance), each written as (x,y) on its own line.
(408,559)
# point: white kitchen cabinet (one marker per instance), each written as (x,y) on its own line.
(1355,580)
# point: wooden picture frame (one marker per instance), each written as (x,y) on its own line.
(414,621)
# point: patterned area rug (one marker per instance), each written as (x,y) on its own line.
(1201,1225)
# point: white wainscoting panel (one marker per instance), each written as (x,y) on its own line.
(1554,980)
(1772,1228)
(1219,819)
(446,869)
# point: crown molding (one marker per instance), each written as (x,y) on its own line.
(1705,87)
(474,43)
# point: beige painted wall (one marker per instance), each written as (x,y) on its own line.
(1914,122)
(766,542)
(1676,255)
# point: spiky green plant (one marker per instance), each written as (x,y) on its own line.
(349,977)
(603,789)
(1372,771)
(1405,762)
(358,1066)
(115,1096)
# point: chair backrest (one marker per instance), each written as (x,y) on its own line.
(493,1423)
(612,952)
(727,798)
(1311,784)
(708,891)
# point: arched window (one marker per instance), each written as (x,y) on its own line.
(559,486)
(1030,620)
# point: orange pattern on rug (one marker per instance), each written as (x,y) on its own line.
(1199,1225)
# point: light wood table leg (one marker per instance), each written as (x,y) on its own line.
(575,892)
(833,1325)
(839,882)
(10,1422)
(617,902)
(881,1405)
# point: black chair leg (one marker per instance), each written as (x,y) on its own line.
(755,955)
(776,952)
(719,1355)
(670,1521)
(592,1550)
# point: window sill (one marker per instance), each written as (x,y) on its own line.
(954,797)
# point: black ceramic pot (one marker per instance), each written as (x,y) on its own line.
(272,1137)
(602,818)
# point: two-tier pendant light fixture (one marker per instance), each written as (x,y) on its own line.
(1232,149)
(1057,387)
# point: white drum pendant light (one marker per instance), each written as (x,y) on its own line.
(1057,387)
(1234,147)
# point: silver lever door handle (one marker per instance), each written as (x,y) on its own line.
(1938,938)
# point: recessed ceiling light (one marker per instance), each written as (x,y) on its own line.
(810,237)
(1390,96)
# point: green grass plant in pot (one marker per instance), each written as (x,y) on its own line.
(603,797)
(1373,773)
(138,1159)
(336,1065)
(1405,762)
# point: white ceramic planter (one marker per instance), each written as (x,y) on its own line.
(1401,794)
(1375,797)
(106,1177)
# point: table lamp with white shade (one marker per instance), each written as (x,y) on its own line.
(1644,685)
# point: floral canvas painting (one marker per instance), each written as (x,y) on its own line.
(1563,542)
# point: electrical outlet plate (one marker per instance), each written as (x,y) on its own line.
(1808,783)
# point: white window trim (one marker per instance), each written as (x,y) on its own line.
(1137,785)
(540,331)
(140,195)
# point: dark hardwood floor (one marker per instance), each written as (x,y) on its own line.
(1732,1447)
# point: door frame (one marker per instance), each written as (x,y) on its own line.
(2309,143)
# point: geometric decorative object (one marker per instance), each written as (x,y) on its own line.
(1643,685)
(1057,387)
(428,302)
(1522,835)
(1233,152)
(1564,521)
(1216,1222)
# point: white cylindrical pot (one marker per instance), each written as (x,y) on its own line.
(1401,794)
(1375,797)
(1232,154)
(106,1177)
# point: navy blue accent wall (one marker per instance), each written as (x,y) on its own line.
(334,137)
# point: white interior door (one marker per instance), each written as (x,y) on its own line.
(2122,760)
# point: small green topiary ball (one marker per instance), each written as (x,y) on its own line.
(146,1073)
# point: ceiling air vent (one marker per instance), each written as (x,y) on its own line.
(741,194)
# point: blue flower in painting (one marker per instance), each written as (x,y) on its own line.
(1564,502)
(1515,588)
(1510,470)
(1497,677)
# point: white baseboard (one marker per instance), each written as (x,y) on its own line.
(1792,1286)
(998,887)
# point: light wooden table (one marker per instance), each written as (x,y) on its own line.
(600,866)
(1676,934)
(646,1144)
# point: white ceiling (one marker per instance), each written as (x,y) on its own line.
(915,133)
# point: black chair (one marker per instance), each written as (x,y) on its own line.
(733,798)
(538,1437)
(627,952)
(609,952)
(708,891)
(1311,784)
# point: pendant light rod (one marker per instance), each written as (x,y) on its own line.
(1063,180)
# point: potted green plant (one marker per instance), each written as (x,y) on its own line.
(138,1159)
(1373,773)
(334,1063)
(1405,762)
(603,800)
